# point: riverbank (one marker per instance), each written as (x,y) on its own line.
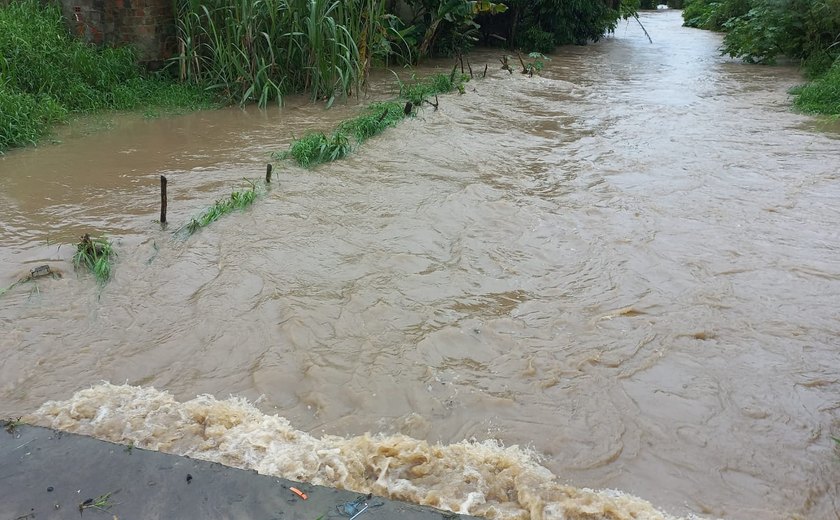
(252,53)
(759,31)
(821,95)
(625,264)
(47,77)
(48,474)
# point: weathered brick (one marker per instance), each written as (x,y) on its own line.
(146,24)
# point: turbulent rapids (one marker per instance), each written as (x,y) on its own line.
(478,478)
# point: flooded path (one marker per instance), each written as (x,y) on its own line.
(630,265)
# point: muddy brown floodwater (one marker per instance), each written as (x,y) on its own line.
(630,265)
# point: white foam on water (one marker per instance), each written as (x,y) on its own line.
(478,478)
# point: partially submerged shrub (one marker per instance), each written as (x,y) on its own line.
(379,116)
(96,255)
(238,200)
(316,147)
(420,91)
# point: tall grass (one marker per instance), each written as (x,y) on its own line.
(46,75)
(259,50)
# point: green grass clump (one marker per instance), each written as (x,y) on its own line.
(379,117)
(96,255)
(46,75)
(822,95)
(317,147)
(425,89)
(238,200)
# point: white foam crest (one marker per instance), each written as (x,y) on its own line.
(478,478)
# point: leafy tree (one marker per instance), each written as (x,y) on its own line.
(804,29)
(713,14)
(540,25)
(449,26)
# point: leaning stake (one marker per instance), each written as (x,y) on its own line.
(162,199)
(268,173)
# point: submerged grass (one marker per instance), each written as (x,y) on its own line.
(35,273)
(317,147)
(102,503)
(96,255)
(4,290)
(419,91)
(46,75)
(238,200)
(379,117)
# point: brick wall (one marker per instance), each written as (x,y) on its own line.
(148,25)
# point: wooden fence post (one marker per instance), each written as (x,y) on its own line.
(162,199)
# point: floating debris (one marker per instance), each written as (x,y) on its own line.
(36,272)
(298,492)
(40,271)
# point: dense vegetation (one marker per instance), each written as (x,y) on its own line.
(540,25)
(46,75)
(259,50)
(760,31)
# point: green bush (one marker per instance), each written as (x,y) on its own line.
(711,14)
(761,30)
(537,40)
(804,29)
